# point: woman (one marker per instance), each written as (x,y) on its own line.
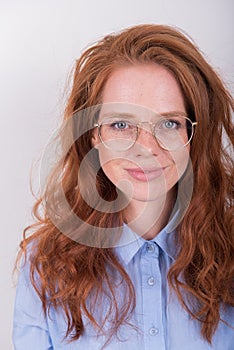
(133,244)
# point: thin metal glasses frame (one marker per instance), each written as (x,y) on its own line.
(153,126)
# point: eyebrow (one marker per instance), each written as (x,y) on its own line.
(110,115)
(117,115)
(173,113)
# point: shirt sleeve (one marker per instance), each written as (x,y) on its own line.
(30,329)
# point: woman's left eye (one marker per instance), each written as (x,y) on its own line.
(170,124)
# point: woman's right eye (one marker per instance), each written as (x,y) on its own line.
(121,125)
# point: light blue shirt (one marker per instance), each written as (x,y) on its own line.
(162,323)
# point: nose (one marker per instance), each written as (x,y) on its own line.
(146,143)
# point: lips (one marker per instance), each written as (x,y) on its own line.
(145,174)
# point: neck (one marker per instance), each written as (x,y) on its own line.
(147,219)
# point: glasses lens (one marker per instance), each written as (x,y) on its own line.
(173,133)
(118,135)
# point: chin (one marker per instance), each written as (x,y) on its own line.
(153,193)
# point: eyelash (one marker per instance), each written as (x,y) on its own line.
(114,125)
(177,123)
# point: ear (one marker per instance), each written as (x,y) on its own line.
(95,139)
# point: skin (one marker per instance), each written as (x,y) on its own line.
(146,173)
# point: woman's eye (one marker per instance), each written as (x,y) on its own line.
(120,125)
(170,124)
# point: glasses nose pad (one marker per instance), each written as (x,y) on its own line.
(147,127)
(159,140)
(146,135)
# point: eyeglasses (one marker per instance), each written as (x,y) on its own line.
(120,134)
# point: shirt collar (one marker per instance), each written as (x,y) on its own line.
(130,242)
(128,245)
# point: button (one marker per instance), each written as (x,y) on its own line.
(151,281)
(153,331)
(150,248)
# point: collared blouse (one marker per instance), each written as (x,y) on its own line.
(161,322)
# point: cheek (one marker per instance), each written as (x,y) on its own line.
(115,174)
(108,164)
(180,161)
(114,170)
(109,169)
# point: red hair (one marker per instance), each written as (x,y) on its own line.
(68,271)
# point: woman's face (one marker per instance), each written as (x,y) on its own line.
(146,171)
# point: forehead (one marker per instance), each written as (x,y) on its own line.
(129,110)
(146,85)
(134,113)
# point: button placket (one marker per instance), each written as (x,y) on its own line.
(152,298)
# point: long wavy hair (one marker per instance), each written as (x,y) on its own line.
(66,273)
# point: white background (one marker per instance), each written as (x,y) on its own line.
(39,43)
